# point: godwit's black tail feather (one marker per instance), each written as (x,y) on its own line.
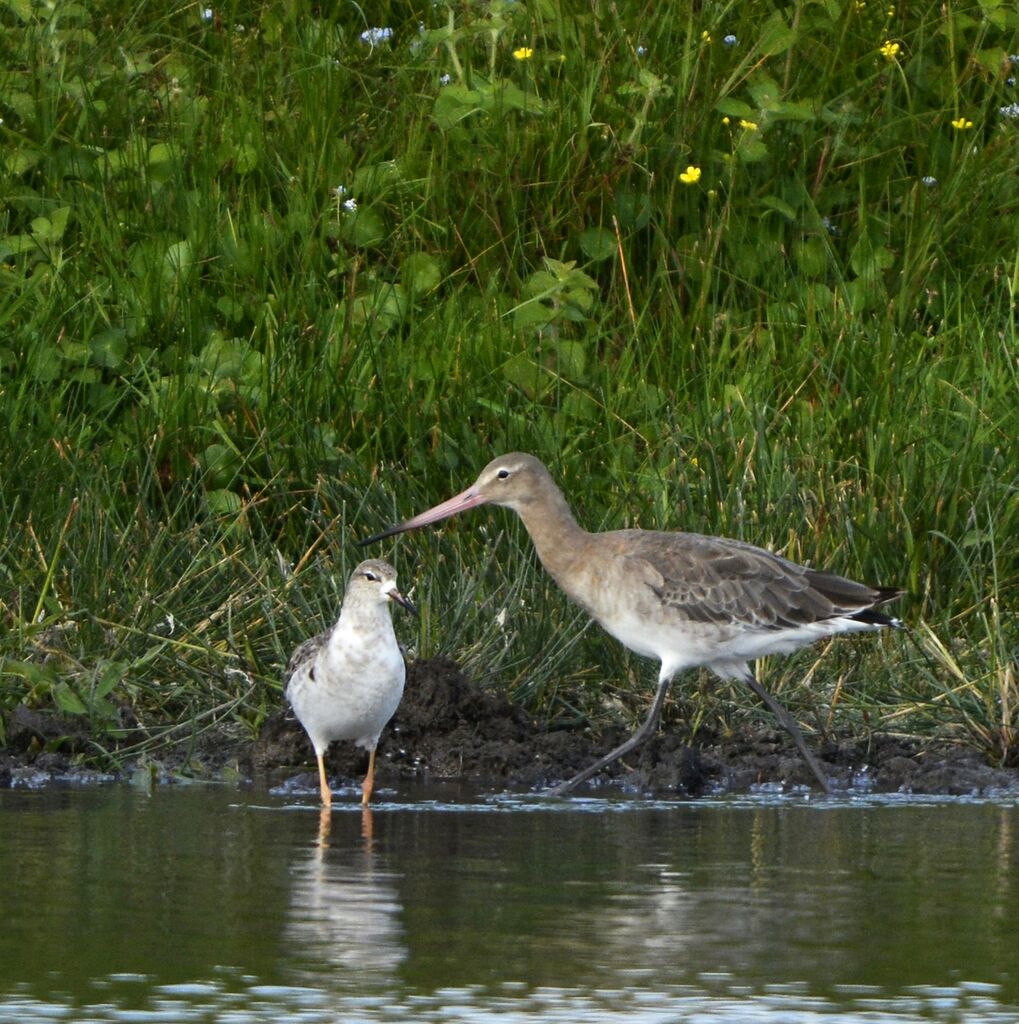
(875,618)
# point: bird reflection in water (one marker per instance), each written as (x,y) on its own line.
(344,913)
(325,826)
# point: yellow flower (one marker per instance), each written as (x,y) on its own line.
(691,175)
(706,36)
(890,50)
(748,126)
(725,120)
(961,123)
(524,53)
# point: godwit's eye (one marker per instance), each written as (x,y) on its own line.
(503,474)
(369,575)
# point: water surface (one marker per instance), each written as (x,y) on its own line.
(213,904)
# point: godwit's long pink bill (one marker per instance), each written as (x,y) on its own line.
(682,598)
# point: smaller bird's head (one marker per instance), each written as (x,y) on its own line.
(375,579)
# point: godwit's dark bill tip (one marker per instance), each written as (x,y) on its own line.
(375,537)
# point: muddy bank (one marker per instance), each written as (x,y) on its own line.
(447,728)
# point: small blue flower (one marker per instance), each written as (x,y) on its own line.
(641,51)
(374,36)
(730,40)
(829,226)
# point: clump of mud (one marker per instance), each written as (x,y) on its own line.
(448,728)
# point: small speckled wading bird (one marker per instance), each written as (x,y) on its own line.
(346,683)
(682,598)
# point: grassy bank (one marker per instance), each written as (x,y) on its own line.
(274,276)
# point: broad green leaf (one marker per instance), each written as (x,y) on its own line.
(774,203)
(15,245)
(571,360)
(108,348)
(792,110)
(222,502)
(524,373)
(23,9)
(67,700)
(113,672)
(533,315)
(389,306)
(177,260)
(633,211)
(455,103)
(540,283)
(580,406)
(45,364)
(220,465)
(162,153)
(765,92)
(230,308)
(375,180)
(245,159)
(420,273)
(597,243)
(22,160)
(735,108)
(510,96)
(811,256)
(363,228)
(751,149)
(775,36)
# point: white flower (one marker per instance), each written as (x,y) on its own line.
(730,40)
(929,181)
(1011,112)
(374,36)
(445,79)
(340,191)
(208,14)
(350,204)
(641,51)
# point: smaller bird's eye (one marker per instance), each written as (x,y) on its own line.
(369,575)
(503,474)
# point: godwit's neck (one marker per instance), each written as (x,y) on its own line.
(557,538)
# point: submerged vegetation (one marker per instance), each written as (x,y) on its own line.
(273,276)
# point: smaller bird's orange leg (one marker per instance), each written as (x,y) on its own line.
(369,780)
(323,783)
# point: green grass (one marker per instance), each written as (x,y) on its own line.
(215,376)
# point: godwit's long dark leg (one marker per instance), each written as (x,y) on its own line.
(788,723)
(644,732)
